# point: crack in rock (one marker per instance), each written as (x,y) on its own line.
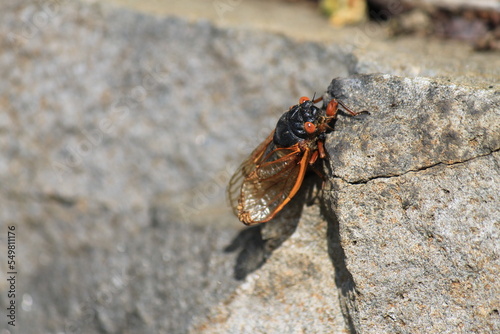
(416,170)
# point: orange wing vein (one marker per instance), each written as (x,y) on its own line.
(266,181)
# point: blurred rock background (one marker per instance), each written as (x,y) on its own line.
(122,122)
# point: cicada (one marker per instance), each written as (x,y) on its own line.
(273,173)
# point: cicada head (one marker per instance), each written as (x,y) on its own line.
(301,121)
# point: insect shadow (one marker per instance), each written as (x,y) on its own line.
(343,277)
(257,243)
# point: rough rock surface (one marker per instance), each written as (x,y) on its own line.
(119,132)
(417,200)
(412,213)
(294,292)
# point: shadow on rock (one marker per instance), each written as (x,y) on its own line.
(256,243)
(252,254)
(343,278)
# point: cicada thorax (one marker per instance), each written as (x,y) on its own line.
(292,127)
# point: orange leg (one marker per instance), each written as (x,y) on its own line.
(332,108)
(321,149)
(318,99)
(320,152)
(314,157)
(353,113)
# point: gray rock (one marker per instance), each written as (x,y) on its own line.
(415,124)
(119,132)
(415,188)
(423,249)
(412,214)
(294,292)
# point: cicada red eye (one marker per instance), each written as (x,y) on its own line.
(303,99)
(309,127)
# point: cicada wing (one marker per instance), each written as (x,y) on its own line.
(234,189)
(272,184)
